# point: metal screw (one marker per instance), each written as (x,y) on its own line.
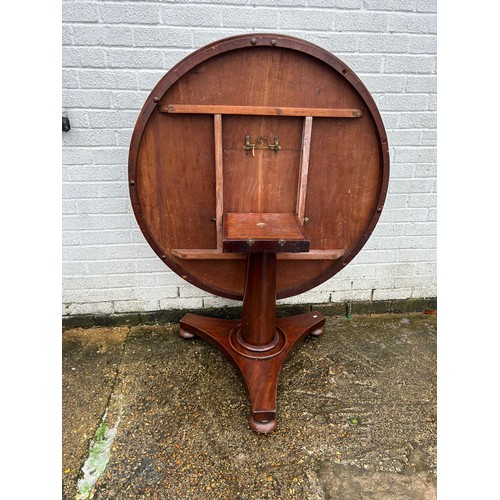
(281,242)
(132,183)
(250,242)
(156,99)
(273,42)
(253,41)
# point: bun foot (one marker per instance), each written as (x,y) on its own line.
(263,426)
(319,331)
(184,334)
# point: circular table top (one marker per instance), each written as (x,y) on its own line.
(206,143)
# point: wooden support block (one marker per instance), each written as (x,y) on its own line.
(263,232)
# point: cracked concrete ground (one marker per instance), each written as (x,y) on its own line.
(356,415)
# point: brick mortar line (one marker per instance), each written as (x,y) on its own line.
(189,285)
(381,237)
(105,182)
(145,245)
(138,48)
(190,49)
(211,29)
(243,30)
(174,48)
(153,258)
(264,7)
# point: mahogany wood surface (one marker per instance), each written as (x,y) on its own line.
(263,232)
(219,178)
(258,344)
(266,226)
(258,322)
(182,164)
(260,110)
(260,375)
(213,254)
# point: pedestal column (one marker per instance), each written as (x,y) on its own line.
(258,323)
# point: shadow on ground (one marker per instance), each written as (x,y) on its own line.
(150,415)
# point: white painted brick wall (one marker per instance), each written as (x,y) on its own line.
(115,52)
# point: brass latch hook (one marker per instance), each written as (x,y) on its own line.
(259,144)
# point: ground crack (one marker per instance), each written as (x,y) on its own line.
(100,445)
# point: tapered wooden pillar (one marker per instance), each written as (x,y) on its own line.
(258,324)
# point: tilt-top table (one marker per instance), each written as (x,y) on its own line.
(258,169)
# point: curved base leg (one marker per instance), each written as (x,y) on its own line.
(260,370)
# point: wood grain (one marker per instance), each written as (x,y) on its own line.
(260,110)
(172,159)
(263,232)
(304,167)
(214,254)
(263,226)
(219,180)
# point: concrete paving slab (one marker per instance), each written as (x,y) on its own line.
(90,361)
(356,417)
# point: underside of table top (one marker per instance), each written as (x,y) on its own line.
(231,130)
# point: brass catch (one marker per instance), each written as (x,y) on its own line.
(260,144)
